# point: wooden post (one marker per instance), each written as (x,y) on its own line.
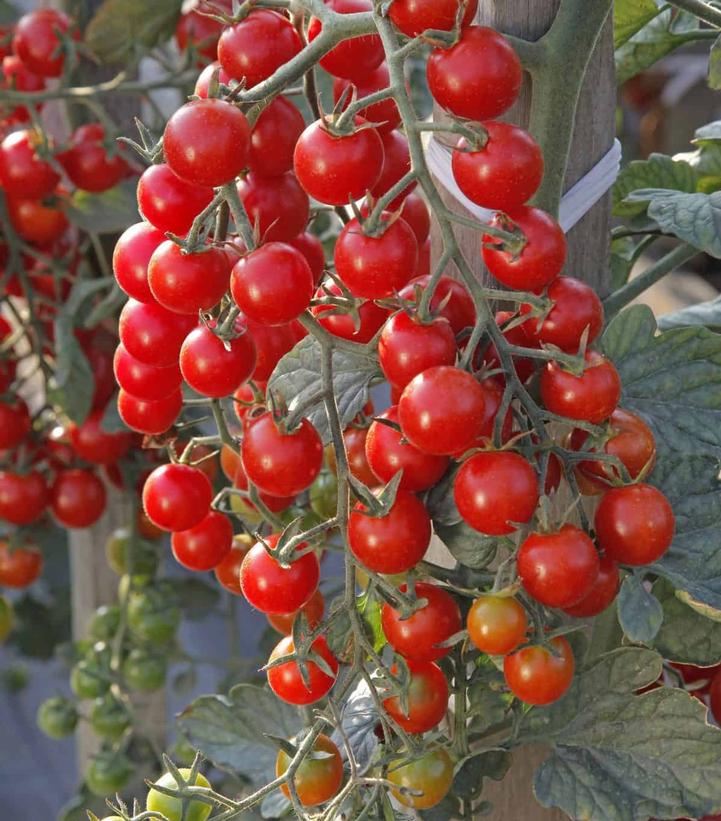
(587,260)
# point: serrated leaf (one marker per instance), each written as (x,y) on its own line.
(359,718)
(639,611)
(658,171)
(487,706)
(624,253)
(121,29)
(685,635)
(493,764)
(297,379)
(618,756)
(230,730)
(706,314)
(440,503)
(630,16)
(467,546)
(73,383)
(107,213)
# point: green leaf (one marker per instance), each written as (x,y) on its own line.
(625,251)
(467,546)
(706,314)
(8,13)
(714,65)
(487,706)
(494,764)
(297,380)
(639,612)
(618,756)
(709,133)
(685,635)
(230,731)
(196,598)
(111,421)
(121,29)
(629,16)
(658,171)
(694,218)
(107,213)
(672,379)
(73,383)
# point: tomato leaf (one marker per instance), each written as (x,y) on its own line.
(73,383)
(714,65)
(630,16)
(639,612)
(275,805)
(707,314)
(685,635)
(658,171)
(297,380)
(359,718)
(196,597)
(621,756)
(108,213)
(467,546)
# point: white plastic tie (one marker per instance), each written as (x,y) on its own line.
(576,202)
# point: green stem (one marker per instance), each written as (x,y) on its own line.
(701,9)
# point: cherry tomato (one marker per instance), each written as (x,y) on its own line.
(21,567)
(271,344)
(540,675)
(175,808)
(77,498)
(413,17)
(515,336)
(441,410)
(153,334)
(131,257)
(278,205)
(94,444)
(634,524)
(109,717)
(108,772)
(177,497)
(602,592)
(145,381)
(227,572)
(396,164)
(282,464)
(371,317)
(211,368)
(429,779)
(273,138)
(417,216)
(253,49)
(312,249)
(199,31)
(384,115)
(144,671)
(193,156)
(504,173)
(286,681)
(479,78)
(272,588)
(87,162)
(317,780)
(204,546)
(493,394)
(312,610)
(715,698)
(427,696)
(497,624)
(202,84)
(37,44)
(541,258)
(408,347)
(450,298)
(355,57)
(57,717)
(23,496)
(23,171)
(419,636)
(592,396)
(17,76)
(169,203)
(188,283)
(149,416)
(36,221)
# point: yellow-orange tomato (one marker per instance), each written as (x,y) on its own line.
(317,779)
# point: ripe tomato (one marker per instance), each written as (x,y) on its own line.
(149,416)
(416,214)
(355,446)
(193,156)
(384,115)
(592,396)
(144,381)
(479,78)
(429,778)
(211,368)
(77,498)
(23,172)
(396,164)
(413,17)
(450,298)
(21,567)
(227,572)
(441,410)
(202,84)
(335,169)
(497,624)
(131,257)
(493,394)
(602,592)
(37,221)
(427,694)
(15,423)
(576,307)
(37,44)
(417,638)
(504,173)
(286,681)
(558,569)
(153,334)
(93,444)
(515,336)
(177,497)
(273,138)
(371,317)
(16,75)
(169,203)
(634,524)
(272,285)
(715,697)
(317,780)
(495,491)
(257,46)
(199,31)
(282,464)
(272,588)
(393,543)
(188,283)
(276,504)
(542,257)
(204,546)
(408,347)
(312,610)
(355,57)
(87,162)
(278,205)
(538,674)
(312,249)
(23,496)
(176,808)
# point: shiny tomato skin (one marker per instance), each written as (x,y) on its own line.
(371,316)
(77,498)
(355,446)
(15,423)
(272,588)
(177,497)
(427,698)
(87,162)
(227,572)
(536,675)
(417,638)
(211,368)
(497,624)
(478,78)
(384,115)
(257,46)
(408,347)
(351,59)
(17,76)
(204,546)
(202,84)
(558,569)
(36,221)
(312,610)
(493,394)
(169,203)
(413,17)
(153,334)
(279,205)
(418,218)
(393,543)
(276,504)
(144,381)
(496,490)
(441,410)
(273,138)
(19,568)
(188,283)
(387,453)
(196,158)
(431,776)
(271,344)
(457,308)
(176,808)
(282,464)
(94,444)
(541,259)
(634,524)
(36,41)
(131,258)
(502,175)
(591,397)
(199,31)
(23,496)
(602,593)
(23,172)
(316,780)
(396,164)
(312,249)
(149,416)
(285,679)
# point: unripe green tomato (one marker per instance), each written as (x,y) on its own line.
(172,808)
(105,622)
(144,671)
(57,717)
(109,717)
(152,617)
(324,496)
(126,554)
(88,679)
(108,772)
(7,617)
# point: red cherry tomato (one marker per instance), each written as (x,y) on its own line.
(177,497)
(312,610)
(278,205)
(371,317)
(23,496)
(145,381)
(149,416)
(285,679)
(227,572)
(202,84)
(316,780)
(493,395)
(276,504)
(273,138)
(131,257)
(169,203)
(355,57)
(602,593)
(634,524)
(416,214)
(94,444)
(457,308)
(211,368)
(153,334)
(497,624)
(539,675)
(17,76)
(312,249)
(204,546)
(77,498)
(413,17)
(87,162)
(35,221)
(408,347)
(383,115)
(355,446)
(199,31)
(427,698)
(271,344)
(592,396)
(37,44)
(21,567)
(396,164)
(15,423)
(23,172)
(418,637)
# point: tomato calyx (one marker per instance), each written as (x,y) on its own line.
(514,247)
